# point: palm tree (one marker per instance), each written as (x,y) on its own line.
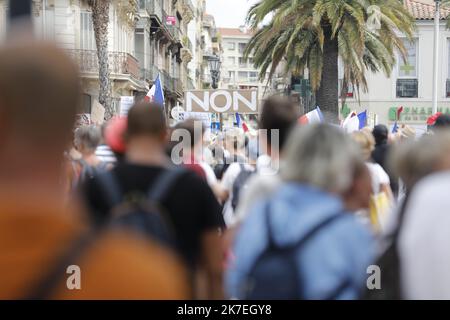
(314,34)
(100,20)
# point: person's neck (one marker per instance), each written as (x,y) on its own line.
(91,158)
(146,151)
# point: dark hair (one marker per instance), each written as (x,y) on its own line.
(443,121)
(278,113)
(189,125)
(146,118)
(380,133)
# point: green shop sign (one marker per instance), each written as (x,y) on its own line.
(414,113)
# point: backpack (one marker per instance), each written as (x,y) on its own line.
(146,217)
(275,273)
(239,184)
(88,172)
(389,263)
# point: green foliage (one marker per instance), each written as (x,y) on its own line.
(298,30)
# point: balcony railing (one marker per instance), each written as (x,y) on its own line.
(168,81)
(120,63)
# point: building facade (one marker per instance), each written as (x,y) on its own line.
(146,38)
(237,71)
(411,82)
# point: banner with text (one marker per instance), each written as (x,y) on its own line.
(222,101)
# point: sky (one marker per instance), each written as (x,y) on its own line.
(229,13)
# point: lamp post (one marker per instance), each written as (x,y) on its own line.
(214,66)
(436,54)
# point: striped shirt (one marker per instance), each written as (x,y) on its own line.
(105,154)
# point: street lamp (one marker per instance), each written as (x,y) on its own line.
(214,66)
(436,54)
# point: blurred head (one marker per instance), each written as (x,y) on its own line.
(114,135)
(146,120)
(380,133)
(191,126)
(39,97)
(442,122)
(278,113)
(322,156)
(365,142)
(87,138)
(413,160)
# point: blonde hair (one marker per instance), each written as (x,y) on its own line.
(366,142)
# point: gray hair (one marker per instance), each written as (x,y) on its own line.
(321,155)
(88,137)
(412,160)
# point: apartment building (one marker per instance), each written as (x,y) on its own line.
(146,38)
(211,48)
(238,72)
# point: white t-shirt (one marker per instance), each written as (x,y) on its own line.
(227,182)
(424,243)
(378,175)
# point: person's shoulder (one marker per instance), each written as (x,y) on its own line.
(121,266)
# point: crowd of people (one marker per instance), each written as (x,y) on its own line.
(149,211)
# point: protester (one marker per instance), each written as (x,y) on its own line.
(103,151)
(192,209)
(278,117)
(235,142)
(40,234)
(319,163)
(380,154)
(87,139)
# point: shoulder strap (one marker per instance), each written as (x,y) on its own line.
(163,183)
(45,287)
(305,238)
(110,188)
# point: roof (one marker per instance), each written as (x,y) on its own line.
(424,9)
(235,32)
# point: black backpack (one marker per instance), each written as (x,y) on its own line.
(389,263)
(240,183)
(146,217)
(275,274)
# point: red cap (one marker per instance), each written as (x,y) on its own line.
(432,119)
(115,134)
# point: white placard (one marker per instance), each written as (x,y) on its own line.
(205,117)
(126,102)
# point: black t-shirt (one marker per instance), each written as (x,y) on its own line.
(190,203)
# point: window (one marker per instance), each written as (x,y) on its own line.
(253,76)
(231,46)
(407,82)
(243,75)
(250,62)
(407,88)
(242,47)
(408,68)
(231,75)
(242,62)
(231,61)
(87,38)
(139,48)
(86,107)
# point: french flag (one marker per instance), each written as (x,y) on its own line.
(314,116)
(156,94)
(355,122)
(241,124)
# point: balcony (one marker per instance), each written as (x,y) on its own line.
(153,8)
(149,74)
(120,63)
